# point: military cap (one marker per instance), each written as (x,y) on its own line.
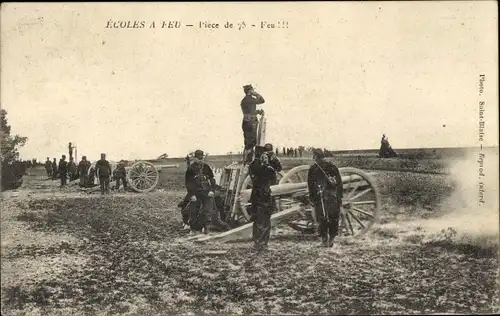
(199,153)
(247,87)
(318,152)
(268,147)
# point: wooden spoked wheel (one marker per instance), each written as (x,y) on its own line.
(360,204)
(143,176)
(297,175)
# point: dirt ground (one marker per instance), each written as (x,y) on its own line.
(71,253)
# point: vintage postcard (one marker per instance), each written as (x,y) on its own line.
(249,158)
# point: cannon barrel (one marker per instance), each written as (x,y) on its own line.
(159,167)
(290,188)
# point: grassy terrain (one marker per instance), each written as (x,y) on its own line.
(70,253)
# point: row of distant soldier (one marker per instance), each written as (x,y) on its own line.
(86,173)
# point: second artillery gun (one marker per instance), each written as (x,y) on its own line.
(142,176)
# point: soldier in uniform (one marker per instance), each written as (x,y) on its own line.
(91,179)
(120,175)
(263,175)
(325,190)
(276,164)
(54,169)
(273,159)
(200,184)
(63,170)
(250,121)
(72,170)
(83,169)
(103,170)
(70,150)
(48,167)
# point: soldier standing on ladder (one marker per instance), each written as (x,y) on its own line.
(250,122)
(325,190)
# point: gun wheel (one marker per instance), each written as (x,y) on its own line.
(143,176)
(360,204)
(360,208)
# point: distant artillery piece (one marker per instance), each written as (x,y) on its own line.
(142,176)
(359,212)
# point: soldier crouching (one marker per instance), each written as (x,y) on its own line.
(325,190)
(200,184)
(120,175)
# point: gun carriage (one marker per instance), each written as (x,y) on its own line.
(142,176)
(359,212)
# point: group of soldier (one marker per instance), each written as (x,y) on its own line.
(290,152)
(87,174)
(202,206)
(324,180)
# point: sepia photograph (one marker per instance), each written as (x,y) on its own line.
(249,158)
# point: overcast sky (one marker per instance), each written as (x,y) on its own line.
(339,76)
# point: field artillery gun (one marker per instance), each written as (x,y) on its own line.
(142,176)
(360,208)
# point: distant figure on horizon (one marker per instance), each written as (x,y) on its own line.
(386,150)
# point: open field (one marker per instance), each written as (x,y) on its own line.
(431,160)
(72,253)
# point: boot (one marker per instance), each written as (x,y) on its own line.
(324,242)
(330,241)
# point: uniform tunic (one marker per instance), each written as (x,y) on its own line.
(103,169)
(250,122)
(83,169)
(54,170)
(200,180)
(321,188)
(263,176)
(63,171)
(120,176)
(72,170)
(48,168)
